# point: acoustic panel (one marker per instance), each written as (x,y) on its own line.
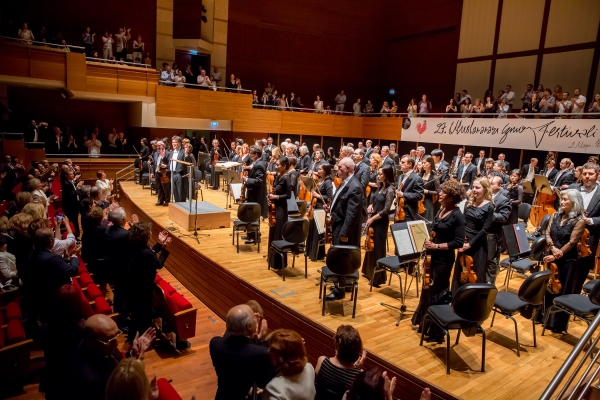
(572,22)
(477,28)
(521,25)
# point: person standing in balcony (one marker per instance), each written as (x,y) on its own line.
(318,105)
(203,80)
(25,33)
(138,48)
(180,80)
(108,41)
(93,145)
(216,76)
(340,102)
(88,42)
(231,83)
(122,37)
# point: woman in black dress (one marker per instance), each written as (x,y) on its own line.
(375,164)
(378,211)
(515,194)
(282,189)
(479,213)
(449,228)
(562,235)
(293,174)
(314,251)
(331,157)
(431,189)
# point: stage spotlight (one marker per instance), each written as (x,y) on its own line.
(392,92)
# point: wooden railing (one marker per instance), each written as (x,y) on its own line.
(120,79)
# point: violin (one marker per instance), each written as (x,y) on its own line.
(302,192)
(272,210)
(421,205)
(164,178)
(427,281)
(584,247)
(554,285)
(400,214)
(370,233)
(215,156)
(243,193)
(467,275)
(328,230)
(337,181)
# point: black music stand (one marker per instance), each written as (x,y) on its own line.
(400,232)
(230,176)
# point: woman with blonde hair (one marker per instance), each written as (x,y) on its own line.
(105,185)
(296,378)
(479,214)
(375,163)
(36,210)
(37,190)
(128,381)
(20,244)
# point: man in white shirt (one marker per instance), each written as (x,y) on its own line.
(356,108)
(167,76)
(340,101)
(480,162)
(122,37)
(509,95)
(578,104)
(527,95)
(564,105)
(203,80)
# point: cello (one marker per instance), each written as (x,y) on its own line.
(543,203)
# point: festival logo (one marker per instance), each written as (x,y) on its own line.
(421,128)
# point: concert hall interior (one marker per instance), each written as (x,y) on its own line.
(238,199)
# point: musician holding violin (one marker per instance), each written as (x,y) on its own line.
(215,155)
(479,214)
(515,194)
(562,236)
(160,174)
(254,183)
(590,192)
(375,163)
(281,192)
(378,212)
(320,198)
(431,188)
(410,189)
(449,228)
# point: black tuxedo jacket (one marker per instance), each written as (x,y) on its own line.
(256,189)
(303,164)
(502,208)
(347,211)
(481,164)
(239,363)
(389,162)
(165,160)
(413,192)
(368,152)
(179,167)
(566,178)
(470,174)
(443,173)
(70,197)
(362,173)
(552,174)
(456,160)
(525,171)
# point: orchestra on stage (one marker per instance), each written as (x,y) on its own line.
(351,200)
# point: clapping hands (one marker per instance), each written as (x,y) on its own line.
(164,238)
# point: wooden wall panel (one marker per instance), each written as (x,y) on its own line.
(49,65)
(186,19)
(260,121)
(348,126)
(76,72)
(101,79)
(382,128)
(306,123)
(215,105)
(134,83)
(15,59)
(176,102)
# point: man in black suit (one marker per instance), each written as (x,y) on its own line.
(458,157)
(241,357)
(367,151)
(116,260)
(590,192)
(270,146)
(410,188)
(386,160)
(441,169)
(502,157)
(48,271)
(564,177)
(56,143)
(466,172)
(35,132)
(347,210)
(480,162)
(255,184)
(70,199)
(502,207)
(177,169)
(362,170)
(550,172)
(160,166)
(528,173)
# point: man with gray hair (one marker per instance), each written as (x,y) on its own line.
(159,167)
(116,260)
(241,356)
(386,160)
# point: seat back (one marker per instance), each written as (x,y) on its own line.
(474,301)
(249,212)
(538,249)
(544,223)
(595,294)
(532,291)
(524,211)
(197,174)
(343,260)
(137,163)
(295,230)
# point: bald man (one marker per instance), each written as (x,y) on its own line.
(346,213)
(241,356)
(97,355)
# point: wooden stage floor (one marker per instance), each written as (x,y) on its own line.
(507,376)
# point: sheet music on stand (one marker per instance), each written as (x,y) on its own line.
(309,183)
(320,220)
(409,237)
(236,190)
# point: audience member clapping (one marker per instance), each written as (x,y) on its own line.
(336,374)
(241,357)
(296,378)
(96,357)
(8,262)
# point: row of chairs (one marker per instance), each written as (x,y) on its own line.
(15,348)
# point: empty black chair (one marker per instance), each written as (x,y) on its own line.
(583,308)
(137,172)
(342,262)
(527,302)
(515,262)
(295,232)
(145,175)
(524,211)
(207,172)
(587,288)
(471,305)
(540,230)
(248,221)
(197,185)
